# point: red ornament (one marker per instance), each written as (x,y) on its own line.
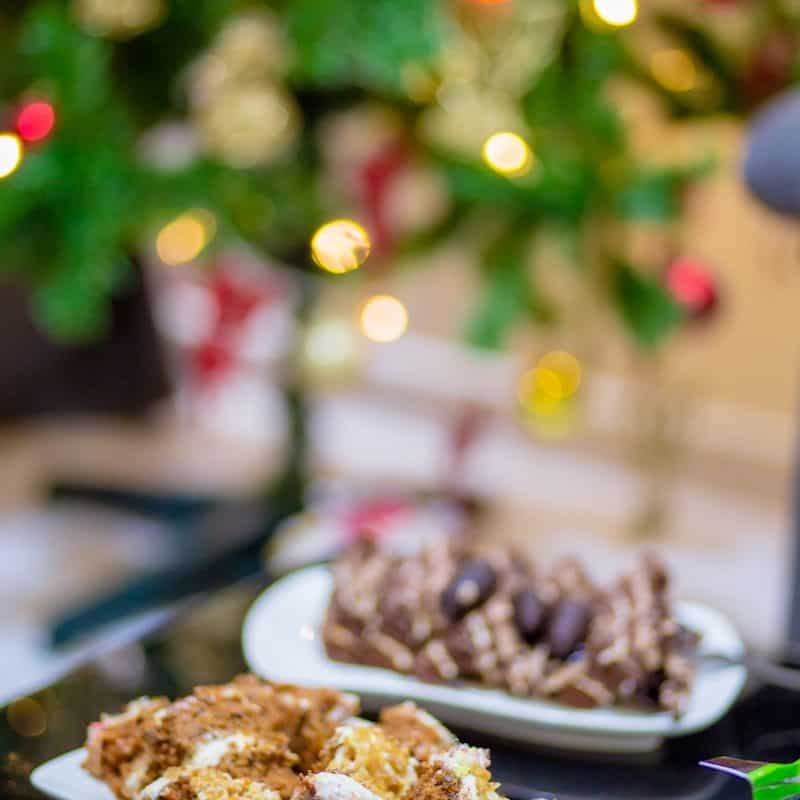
(692,287)
(35,121)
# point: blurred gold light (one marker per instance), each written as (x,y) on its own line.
(616,13)
(340,246)
(507,153)
(384,318)
(184,238)
(11,151)
(27,717)
(674,69)
(555,378)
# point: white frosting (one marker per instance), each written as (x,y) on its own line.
(211,752)
(154,789)
(468,789)
(133,709)
(135,778)
(335,786)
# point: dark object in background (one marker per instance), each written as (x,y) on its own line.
(772,163)
(120,373)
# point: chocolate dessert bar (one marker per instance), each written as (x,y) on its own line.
(252,740)
(461,611)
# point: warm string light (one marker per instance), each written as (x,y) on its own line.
(507,153)
(11,152)
(183,239)
(545,393)
(616,13)
(383,318)
(340,246)
(35,121)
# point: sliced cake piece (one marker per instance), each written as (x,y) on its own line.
(249,728)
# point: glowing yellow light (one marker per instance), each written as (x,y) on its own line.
(184,238)
(384,318)
(27,717)
(11,151)
(617,13)
(674,69)
(331,345)
(507,153)
(340,246)
(556,377)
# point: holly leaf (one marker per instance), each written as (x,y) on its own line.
(506,296)
(362,42)
(645,306)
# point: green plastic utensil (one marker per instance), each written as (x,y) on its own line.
(769,781)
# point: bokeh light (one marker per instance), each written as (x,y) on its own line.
(507,153)
(183,239)
(556,377)
(35,121)
(119,19)
(384,318)
(27,717)
(11,151)
(674,69)
(546,394)
(331,345)
(616,13)
(340,246)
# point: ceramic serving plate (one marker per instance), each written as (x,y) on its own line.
(281,642)
(64,779)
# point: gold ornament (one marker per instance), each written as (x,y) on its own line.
(253,45)
(248,125)
(118,19)
(251,48)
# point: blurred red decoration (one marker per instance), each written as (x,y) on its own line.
(693,287)
(235,299)
(376,176)
(35,121)
(771,68)
(211,361)
(371,518)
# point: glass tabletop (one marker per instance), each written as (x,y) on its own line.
(203,646)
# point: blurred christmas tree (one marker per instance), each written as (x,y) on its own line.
(179,126)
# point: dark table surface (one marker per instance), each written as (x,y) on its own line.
(203,646)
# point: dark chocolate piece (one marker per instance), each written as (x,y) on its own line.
(529,614)
(473,584)
(568,626)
